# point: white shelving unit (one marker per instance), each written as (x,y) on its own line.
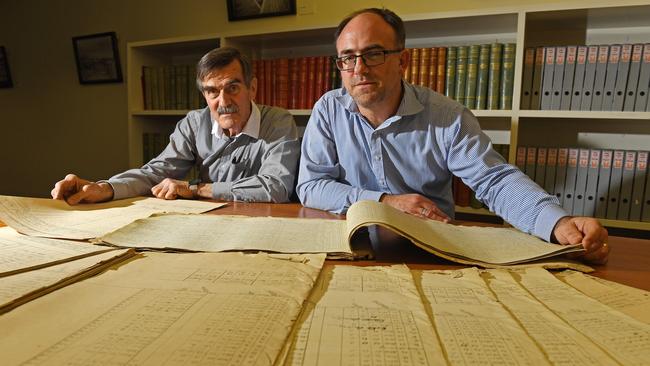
(553,24)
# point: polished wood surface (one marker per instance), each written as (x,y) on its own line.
(629,261)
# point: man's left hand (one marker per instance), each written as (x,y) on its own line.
(170,189)
(586,231)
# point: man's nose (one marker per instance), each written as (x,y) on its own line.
(223,99)
(360,67)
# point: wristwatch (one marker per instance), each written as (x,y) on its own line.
(194,186)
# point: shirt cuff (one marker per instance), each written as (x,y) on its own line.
(370,195)
(119,189)
(222,191)
(547,219)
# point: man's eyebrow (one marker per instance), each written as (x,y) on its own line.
(228,82)
(372,47)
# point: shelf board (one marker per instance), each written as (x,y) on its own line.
(621,224)
(492,113)
(585,114)
(300,112)
(160,112)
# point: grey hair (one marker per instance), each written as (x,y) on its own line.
(219,58)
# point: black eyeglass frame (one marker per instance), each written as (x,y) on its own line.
(339,59)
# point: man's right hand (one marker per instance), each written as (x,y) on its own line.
(75,190)
(415,204)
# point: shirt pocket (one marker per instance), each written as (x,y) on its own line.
(239,168)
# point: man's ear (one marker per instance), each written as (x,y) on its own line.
(253,88)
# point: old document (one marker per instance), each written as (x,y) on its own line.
(489,245)
(171,309)
(629,300)
(365,316)
(56,219)
(624,338)
(21,253)
(215,233)
(562,344)
(23,287)
(473,327)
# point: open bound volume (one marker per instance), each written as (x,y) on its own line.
(486,247)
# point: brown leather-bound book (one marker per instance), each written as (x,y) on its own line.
(415,66)
(433,68)
(328,75)
(320,78)
(268,82)
(442,64)
(282,84)
(407,69)
(303,69)
(259,95)
(311,82)
(294,83)
(425,56)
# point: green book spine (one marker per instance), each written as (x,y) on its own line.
(160,75)
(494,76)
(450,79)
(182,100)
(483,77)
(461,73)
(155,101)
(170,87)
(193,92)
(148,96)
(507,76)
(472,70)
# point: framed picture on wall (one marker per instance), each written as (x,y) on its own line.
(249,9)
(5,75)
(97,58)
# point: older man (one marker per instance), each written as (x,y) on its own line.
(244,151)
(380,138)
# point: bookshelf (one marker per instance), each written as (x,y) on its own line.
(588,22)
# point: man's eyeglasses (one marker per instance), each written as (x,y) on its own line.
(370,58)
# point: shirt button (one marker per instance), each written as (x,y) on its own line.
(377,157)
(382,182)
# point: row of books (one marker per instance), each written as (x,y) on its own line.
(170,87)
(294,83)
(610,184)
(463,195)
(588,78)
(478,76)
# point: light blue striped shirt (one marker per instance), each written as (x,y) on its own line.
(344,160)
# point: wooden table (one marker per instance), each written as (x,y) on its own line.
(629,261)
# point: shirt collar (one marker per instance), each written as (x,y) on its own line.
(251,128)
(409,104)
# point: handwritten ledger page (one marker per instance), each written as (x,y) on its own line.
(23,287)
(21,253)
(473,327)
(485,244)
(56,219)
(365,316)
(629,300)
(172,309)
(562,344)
(216,233)
(621,336)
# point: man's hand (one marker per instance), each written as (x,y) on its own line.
(415,204)
(586,231)
(170,189)
(75,190)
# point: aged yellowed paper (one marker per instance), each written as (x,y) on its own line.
(215,233)
(489,245)
(629,300)
(473,327)
(23,287)
(56,219)
(624,338)
(20,253)
(365,316)
(171,309)
(561,343)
